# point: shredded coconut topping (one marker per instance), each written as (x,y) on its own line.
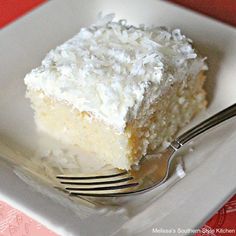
(107,68)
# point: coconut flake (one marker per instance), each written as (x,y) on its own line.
(106,68)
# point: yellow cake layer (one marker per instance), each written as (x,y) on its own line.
(147,133)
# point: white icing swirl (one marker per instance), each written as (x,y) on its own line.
(106,68)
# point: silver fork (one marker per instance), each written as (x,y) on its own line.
(152,172)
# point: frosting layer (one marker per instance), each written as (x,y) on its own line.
(108,68)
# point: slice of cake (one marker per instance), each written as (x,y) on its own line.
(117,90)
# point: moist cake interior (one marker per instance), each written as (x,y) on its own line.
(151,131)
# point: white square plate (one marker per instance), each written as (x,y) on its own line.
(210,179)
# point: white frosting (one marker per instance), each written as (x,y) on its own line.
(107,68)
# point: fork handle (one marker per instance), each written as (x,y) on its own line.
(204,126)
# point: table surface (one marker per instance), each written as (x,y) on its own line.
(15,223)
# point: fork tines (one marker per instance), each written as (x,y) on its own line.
(100,185)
